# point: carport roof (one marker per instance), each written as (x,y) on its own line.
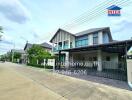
(115,46)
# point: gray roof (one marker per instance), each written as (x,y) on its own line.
(44,45)
(90,31)
(18,50)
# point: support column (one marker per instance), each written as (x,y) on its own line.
(52,47)
(99,53)
(67,60)
(69,42)
(57,46)
(62,44)
(59,59)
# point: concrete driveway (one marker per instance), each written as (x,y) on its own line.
(19,82)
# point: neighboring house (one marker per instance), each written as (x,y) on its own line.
(93,48)
(45,45)
(22,52)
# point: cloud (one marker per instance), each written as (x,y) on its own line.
(14,11)
(6,39)
(35,35)
(7,42)
(122,29)
(123,25)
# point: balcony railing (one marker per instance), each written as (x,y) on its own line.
(65,47)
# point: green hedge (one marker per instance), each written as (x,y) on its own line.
(40,66)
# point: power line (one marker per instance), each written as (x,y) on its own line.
(93,14)
(76,19)
(90,19)
(98,13)
(80,17)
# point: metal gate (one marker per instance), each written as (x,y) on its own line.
(112,70)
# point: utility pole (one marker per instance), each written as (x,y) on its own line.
(13,52)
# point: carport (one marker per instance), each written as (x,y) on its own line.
(120,47)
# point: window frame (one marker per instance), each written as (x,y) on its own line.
(95,38)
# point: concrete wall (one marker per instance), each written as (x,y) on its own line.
(129,72)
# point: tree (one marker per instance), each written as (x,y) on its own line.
(130,52)
(17,55)
(1,29)
(36,52)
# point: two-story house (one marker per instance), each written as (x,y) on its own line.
(93,48)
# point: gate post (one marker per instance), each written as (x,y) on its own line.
(129,72)
(99,68)
(67,60)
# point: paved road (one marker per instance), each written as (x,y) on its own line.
(19,82)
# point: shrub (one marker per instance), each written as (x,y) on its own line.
(40,66)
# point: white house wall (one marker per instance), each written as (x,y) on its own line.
(113,63)
(100,37)
(90,39)
(106,38)
(85,56)
(72,39)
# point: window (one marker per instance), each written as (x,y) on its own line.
(70,44)
(95,38)
(105,38)
(107,58)
(82,41)
(60,45)
(65,44)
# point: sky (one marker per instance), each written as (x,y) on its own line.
(36,21)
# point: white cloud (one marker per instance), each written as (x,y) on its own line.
(121,26)
(14,11)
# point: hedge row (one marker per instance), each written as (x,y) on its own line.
(40,66)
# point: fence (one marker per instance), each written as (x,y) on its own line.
(113,70)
